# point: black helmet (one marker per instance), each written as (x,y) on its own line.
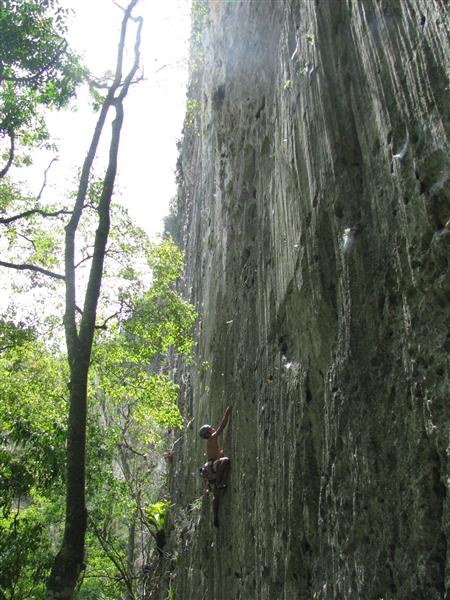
(205,431)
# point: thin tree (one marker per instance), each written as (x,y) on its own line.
(79,331)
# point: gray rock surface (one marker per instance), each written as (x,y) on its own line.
(314,192)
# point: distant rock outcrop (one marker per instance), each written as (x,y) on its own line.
(314,197)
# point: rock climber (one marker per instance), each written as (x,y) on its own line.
(215,470)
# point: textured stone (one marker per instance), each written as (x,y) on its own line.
(314,191)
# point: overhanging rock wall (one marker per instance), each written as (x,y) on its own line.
(314,194)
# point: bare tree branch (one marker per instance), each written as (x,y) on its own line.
(118,5)
(83,260)
(11,155)
(130,77)
(29,240)
(115,558)
(98,84)
(105,322)
(26,267)
(33,211)
(131,449)
(108,252)
(102,85)
(93,288)
(44,183)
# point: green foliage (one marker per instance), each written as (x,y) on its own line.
(33,239)
(101,580)
(36,68)
(128,355)
(10,194)
(199,16)
(96,98)
(38,239)
(26,547)
(161,319)
(197,503)
(192,112)
(200,10)
(132,404)
(32,425)
(142,319)
(156,515)
(32,388)
(14,335)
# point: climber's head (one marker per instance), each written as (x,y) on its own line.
(205,431)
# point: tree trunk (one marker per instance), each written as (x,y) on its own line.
(69,562)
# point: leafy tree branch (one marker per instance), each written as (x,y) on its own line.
(37,70)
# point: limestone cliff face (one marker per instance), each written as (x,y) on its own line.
(314,197)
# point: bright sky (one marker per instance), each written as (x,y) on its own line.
(154,109)
(154,113)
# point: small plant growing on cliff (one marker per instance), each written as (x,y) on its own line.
(196,504)
(199,15)
(204,367)
(303,70)
(155,515)
(310,39)
(192,112)
(287,85)
(200,11)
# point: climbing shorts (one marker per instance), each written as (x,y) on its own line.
(209,470)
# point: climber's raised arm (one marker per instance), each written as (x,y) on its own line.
(223,423)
